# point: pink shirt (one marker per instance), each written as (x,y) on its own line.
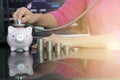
(104,17)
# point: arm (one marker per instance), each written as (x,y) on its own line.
(98,47)
(106,41)
(69,11)
(39,19)
(52,19)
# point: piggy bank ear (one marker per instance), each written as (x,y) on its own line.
(29,29)
(10,29)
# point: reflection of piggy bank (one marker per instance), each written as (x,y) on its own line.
(20,63)
(19,38)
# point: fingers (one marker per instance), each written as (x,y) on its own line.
(53,37)
(15,15)
(26,19)
(35,46)
(21,13)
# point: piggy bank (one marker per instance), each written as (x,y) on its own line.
(19,38)
(20,63)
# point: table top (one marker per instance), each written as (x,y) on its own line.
(4,70)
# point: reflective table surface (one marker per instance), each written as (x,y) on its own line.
(39,69)
(5,59)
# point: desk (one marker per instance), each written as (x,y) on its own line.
(4,54)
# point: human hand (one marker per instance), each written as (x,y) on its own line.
(54,38)
(25,15)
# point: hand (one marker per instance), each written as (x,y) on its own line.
(25,15)
(54,37)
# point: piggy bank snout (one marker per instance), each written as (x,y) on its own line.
(19,38)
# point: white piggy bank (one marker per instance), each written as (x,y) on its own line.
(19,38)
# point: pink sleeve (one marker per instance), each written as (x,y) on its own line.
(69,11)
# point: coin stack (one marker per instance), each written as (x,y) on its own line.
(48,50)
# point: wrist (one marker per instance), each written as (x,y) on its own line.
(37,20)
